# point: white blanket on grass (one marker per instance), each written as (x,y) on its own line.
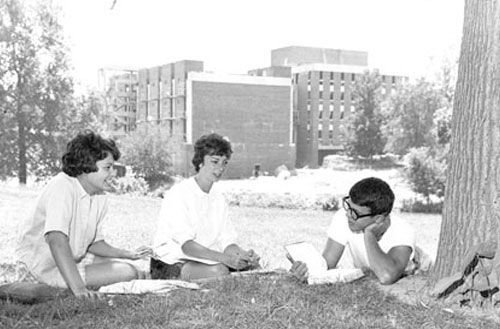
(147,286)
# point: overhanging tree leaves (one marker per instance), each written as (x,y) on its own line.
(410,115)
(36,89)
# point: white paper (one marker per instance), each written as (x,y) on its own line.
(317,266)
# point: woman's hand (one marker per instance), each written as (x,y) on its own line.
(141,252)
(237,262)
(253,259)
(88,294)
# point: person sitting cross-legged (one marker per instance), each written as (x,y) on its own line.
(63,245)
(366,229)
(195,238)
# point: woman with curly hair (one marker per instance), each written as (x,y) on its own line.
(64,234)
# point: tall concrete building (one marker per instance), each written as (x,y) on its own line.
(323,82)
(255,113)
(119,88)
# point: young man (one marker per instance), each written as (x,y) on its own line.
(365,228)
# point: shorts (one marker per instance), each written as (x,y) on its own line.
(23,274)
(162,271)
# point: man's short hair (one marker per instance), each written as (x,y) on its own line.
(212,144)
(83,151)
(373,193)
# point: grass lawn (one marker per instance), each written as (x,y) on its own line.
(272,301)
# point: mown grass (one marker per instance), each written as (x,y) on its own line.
(249,302)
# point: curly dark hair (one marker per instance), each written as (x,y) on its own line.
(83,151)
(212,144)
(373,193)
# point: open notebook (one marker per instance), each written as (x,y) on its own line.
(317,266)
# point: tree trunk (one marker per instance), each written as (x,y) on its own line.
(21,145)
(471,211)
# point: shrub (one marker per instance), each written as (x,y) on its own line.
(149,153)
(417,206)
(130,184)
(281,200)
(425,173)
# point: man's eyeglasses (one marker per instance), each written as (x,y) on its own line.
(353,213)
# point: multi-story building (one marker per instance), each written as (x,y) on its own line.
(323,82)
(120,99)
(255,113)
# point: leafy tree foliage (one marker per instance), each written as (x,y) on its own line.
(364,135)
(149,153)
(38,111)
(409,117)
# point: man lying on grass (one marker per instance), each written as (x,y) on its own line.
(195,238)
(64,234)
(365,228)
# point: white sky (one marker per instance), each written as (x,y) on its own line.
(234,36)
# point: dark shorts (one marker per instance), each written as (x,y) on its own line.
(163,271)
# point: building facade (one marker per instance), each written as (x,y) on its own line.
(255,113)
(119,87)
(323,82)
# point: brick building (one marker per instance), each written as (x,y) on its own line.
(255,113)
(323,80)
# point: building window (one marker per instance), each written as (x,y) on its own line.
(319,134)
(342,76)
(331,95)
(341,112)
(353,77)
(309,87)
(393,79)
(321,94)
(331,111)
(321,75)
(321,86)
(320,114)
(352,109)
(331,77)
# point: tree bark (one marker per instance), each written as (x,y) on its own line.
(472,201)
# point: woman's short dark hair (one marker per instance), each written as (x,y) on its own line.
(212,144)
(83,151)
(373,193)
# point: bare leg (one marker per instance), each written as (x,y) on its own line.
(194,270)
(104,273)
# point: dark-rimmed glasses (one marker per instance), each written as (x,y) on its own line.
(354,214)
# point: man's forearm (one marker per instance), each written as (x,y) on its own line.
(384,267)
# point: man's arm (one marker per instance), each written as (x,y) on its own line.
(387,267)
(332,253)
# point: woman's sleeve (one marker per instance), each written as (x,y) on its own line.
(228,235)
(174,219)
(59,209)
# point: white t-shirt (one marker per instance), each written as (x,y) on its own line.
(62,206)
(398,234)
(188,213)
